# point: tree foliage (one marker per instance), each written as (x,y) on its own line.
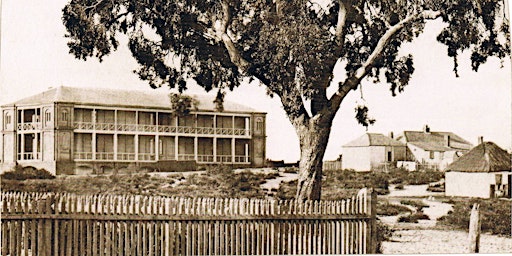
(291,47)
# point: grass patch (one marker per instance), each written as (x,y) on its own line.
(495,215)
(419,205)
(384,208)
(413,218)
(402,176)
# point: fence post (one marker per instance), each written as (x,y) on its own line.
(371,246)
(474,229)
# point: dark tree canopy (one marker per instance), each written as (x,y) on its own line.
(291,47)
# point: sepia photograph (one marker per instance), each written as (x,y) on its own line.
(255,127)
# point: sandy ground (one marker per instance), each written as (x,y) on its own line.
(442,241)
(412,191)
(424,238)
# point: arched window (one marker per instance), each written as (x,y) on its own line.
(64,115)
(259,124)
(47,116)
(7,120)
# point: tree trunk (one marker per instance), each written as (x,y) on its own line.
(313,142)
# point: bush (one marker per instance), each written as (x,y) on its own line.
(27,173)
(413,218)
(495,215)
(384,233)
(291,170)
(399,175)
(399,186)
(418,204)
(387,209)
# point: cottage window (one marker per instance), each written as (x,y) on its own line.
(431,154)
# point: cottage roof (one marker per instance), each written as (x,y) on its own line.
(125,98)
(486,157)
(373,139)
(436,141)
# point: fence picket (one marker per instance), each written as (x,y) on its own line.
(108,225)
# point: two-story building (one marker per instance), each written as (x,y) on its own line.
(66,129)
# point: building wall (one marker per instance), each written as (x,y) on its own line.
(259,140)
(469,184)
(357,158)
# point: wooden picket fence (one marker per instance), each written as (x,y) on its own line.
(67,224)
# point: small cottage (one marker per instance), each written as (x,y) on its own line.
(434,149)
(485,172)
(372,151)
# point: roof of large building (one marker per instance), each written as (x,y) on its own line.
(125,98)
(435,141)
(486,157)
(373,139)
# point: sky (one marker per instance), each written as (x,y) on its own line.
(34,57)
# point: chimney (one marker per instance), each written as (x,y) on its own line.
(426,129)
(391,135)
(447,140)
(480,140)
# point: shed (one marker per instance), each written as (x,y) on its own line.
(485,172)
(372,151)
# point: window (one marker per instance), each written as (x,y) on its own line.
(7,119)
(431,154)
(259,124)
(390,156)
(64,115)
(47,116)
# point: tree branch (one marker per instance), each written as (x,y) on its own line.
(340,25)
(234,54)
(352,82)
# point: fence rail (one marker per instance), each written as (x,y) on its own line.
(66,224)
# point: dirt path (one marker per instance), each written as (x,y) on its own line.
(442,241)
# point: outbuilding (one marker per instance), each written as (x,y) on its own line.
(372,151)
(485,172)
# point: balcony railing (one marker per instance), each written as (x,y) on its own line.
(29,126)
(242,159)
(186,157)
(224,158)
(104,155)
(125,156)
(166,157)
(83,155)
(205,158)
(146,156)
(160,129)
(29,156)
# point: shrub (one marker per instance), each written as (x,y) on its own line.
(495,215)
(384,233)
(416,203)
(26,173)
(291,170)
(399,186)
(413,218)
(387,209)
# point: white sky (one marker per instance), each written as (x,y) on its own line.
(34,57)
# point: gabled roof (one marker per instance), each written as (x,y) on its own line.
(125,98)
(436,141)
(486,157)
(373,139)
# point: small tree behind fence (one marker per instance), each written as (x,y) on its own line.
(67,224)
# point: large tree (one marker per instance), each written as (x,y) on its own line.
(291,47)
